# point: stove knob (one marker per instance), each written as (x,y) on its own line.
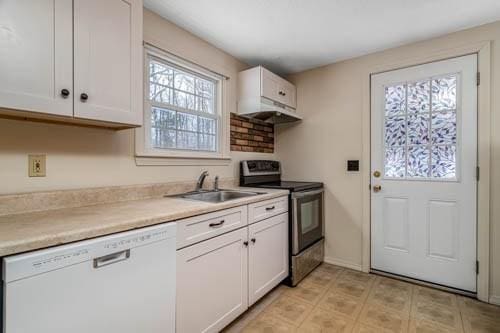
(275,166)
(252,165)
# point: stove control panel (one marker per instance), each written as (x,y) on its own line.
(260,167)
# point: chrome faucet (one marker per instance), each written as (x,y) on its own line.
(201,179)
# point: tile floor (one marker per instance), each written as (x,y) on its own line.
(334,299)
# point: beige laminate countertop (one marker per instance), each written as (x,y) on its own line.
(36,230)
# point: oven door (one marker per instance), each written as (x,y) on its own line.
(308,219)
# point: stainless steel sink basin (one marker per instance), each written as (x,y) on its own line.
(218,196)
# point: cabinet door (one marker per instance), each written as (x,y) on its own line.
(108,60)
(212,283)
(270,85)
(288,94)
(268,255)
(36,56)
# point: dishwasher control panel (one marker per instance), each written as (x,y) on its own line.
(37,262)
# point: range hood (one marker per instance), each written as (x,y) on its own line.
(267,110)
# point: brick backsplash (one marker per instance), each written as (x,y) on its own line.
(251,135)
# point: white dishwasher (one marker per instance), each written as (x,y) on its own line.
(122,283)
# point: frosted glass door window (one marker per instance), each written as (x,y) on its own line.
(420,129)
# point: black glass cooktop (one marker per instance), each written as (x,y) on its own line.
(290,185)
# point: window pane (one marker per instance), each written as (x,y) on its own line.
(444,93)
(204,88)
(160,94)
(160,74)
(419,96)
(207,142)
(163,118)
(184,82)
(418,161)
(395,160)
(418,129)
(204,105)
(184,100)
(187,140)
(444,128)
(444,161)
(395,99)
(163,138)
(187,122)
(207,125)
(395,131)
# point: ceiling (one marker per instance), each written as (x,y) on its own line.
(290,36)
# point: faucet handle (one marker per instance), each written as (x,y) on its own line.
(216,183)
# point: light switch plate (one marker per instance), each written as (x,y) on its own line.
(36,165)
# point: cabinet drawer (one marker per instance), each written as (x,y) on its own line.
(262,210)
(196,229)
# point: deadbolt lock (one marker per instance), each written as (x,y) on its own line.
(376,174)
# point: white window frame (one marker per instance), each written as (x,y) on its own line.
(146,154)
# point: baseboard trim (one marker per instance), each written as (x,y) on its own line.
(495,300)
(343,263)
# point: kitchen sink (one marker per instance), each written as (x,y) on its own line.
(217,196)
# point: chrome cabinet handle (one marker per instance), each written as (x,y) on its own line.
(270,208)
(111,258)
(217,224)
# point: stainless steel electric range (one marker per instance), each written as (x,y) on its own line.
(306,214)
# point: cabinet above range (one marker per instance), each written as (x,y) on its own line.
(72,61)
(266,96)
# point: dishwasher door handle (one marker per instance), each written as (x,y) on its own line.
(111,258)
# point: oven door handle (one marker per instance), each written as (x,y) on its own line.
(296,195)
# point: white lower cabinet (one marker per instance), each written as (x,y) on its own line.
(268,255)
(218,278)
(212,279)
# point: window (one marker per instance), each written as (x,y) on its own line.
(421,129)
(183,111)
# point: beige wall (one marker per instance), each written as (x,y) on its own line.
(82,157)
(331,99)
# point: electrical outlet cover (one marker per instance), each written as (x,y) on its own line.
(36,165)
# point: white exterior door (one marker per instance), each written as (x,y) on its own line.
(36,56)
(108,65)
(423,172)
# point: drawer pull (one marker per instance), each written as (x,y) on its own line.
(270,208)
(253,240)
(215,225)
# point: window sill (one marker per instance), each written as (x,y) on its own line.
(181,161)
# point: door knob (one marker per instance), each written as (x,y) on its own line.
(377,188)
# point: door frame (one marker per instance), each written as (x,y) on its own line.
(483,51)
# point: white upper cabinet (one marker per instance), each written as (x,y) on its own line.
(80,59)
(108,60)
(278,89)
(36,56)
(259,82)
